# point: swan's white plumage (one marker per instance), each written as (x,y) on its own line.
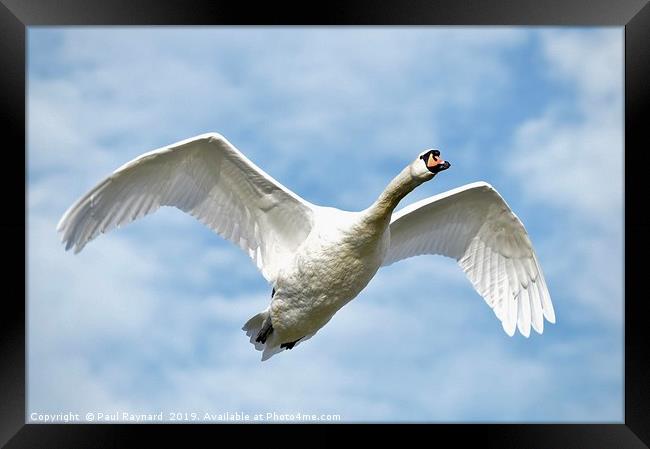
(320,258)
(475,226)
(209,178)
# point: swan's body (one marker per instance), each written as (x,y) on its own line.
(337,260)
(317,259)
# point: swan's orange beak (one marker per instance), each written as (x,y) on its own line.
(433,161)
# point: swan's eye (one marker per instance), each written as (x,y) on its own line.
(431,153)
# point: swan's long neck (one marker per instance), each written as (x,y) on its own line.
(398,188)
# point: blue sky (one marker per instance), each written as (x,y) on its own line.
(148,317)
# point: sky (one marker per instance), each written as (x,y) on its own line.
(147,318)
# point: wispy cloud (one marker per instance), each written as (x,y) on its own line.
(571,154)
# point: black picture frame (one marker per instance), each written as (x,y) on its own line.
(634,15)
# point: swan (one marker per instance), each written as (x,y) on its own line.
(315,258)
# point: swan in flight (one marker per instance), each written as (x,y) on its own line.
(316,258)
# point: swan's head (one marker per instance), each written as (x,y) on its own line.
(428,164)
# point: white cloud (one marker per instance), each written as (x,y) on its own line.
(572,155)
(593,61)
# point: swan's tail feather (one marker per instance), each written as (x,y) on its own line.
(253,327)
(270,351)
(260,332)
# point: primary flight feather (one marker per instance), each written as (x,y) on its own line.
(316,258)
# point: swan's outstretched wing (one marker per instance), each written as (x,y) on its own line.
(475,226)
(207,177)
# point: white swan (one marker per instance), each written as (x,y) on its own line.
(317,258)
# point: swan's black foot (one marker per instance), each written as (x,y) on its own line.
(290,345)
(273,293)
(263,334)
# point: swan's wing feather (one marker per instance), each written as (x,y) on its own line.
(475,226)
(207,177)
